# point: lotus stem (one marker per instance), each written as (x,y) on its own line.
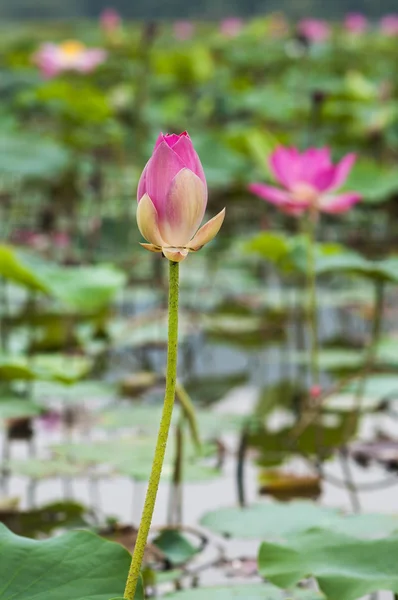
(154,479)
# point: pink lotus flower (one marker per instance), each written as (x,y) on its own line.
(356,23)
(389,25)
(310,180)
(183,30)
(314,30)
(71,55)
(110,20)
(172,199)
(231,27)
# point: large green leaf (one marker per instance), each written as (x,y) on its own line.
(32,156)
(132,457)
(74,566)
(48,367)
(14,407)
(345,567)
(15,265)
(279,520)
(374,181)
(86,289)
(352,263)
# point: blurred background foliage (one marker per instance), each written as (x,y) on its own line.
(202,9)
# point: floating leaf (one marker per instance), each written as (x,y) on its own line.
(175,546)
(344,567)
(13,408)
(280,520)
(275,520)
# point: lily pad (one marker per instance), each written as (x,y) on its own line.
(280,520)
(78,565)
(344,567)
(175,546)
(13,408)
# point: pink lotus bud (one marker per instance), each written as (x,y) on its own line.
(315,391)
(183,30)
(110,20)
(231,27)
(314,30)
(308,180)
(356,23)
(389,25)
(172,199)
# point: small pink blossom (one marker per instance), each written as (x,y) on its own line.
(172,199)
(110,20)
(308,180)
(314,30)
(183,30)
(389,25)
(231,27)
(315,392)
(356,23)
(71,55)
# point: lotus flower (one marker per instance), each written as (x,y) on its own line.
(356,23)
(172,199)
(71,55)
(110,20)
(310,181)
(389,25)
(183,30)
(231,27)
(314,30)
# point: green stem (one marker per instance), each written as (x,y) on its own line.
(312,300)
(188,409)
(153,485)
(370,356)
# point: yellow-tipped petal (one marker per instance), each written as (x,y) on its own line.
(151,247)
(184,209)
(147,220)
(207,232)
(175,254)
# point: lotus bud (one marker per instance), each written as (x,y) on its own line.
(172,199)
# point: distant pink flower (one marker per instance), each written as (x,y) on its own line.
(110,20)
(315,391)
(310,180)
(231,27)
(172,199)
(183,30)
(61,239)
(50,420)
(389,25)
(314,30)
(71,55)
(356,23)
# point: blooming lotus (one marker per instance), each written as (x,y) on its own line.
(389,25)
(183,30)
(110,20)
(172,199)
(356,23)
(71,55)
(314,30)
(231,27)
(309,181)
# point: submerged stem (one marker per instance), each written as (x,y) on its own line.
(312,301)
(153,485)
